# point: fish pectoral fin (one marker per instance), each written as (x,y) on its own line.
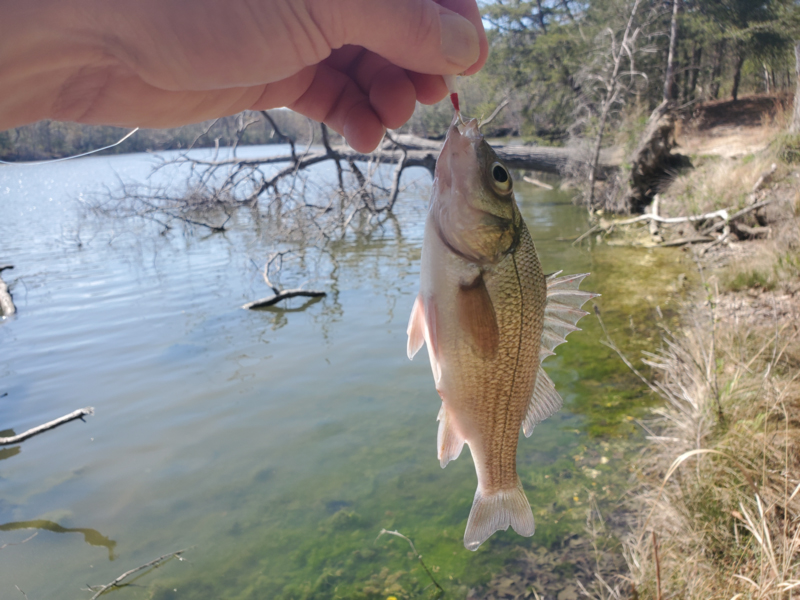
(416,328)
(449,442)
(545,401)
(477,317)
(562,311)
(495,511)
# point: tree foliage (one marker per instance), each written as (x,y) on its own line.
(546,56)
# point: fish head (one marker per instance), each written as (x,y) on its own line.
(473,203)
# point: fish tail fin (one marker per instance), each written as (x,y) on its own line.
(495,511)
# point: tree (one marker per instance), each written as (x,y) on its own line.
(794,126)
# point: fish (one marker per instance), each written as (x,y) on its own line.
(488,316)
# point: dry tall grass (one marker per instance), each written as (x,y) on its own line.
(720,480)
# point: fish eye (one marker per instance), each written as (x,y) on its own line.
(501,178)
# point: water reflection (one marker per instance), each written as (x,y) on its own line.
(91,536)
(14,450)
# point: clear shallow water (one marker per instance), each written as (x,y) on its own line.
(276,444)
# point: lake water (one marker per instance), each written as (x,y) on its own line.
(273,444)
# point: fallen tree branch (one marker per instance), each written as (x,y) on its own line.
(536,182)
(101,589)
(78,414)
(283,295)
(421,152)
(685,241)
(586,234)
(741,213)
(27,539)
(7,307)
(719,214)
(723,215)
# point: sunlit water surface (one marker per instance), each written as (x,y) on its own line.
(273,444)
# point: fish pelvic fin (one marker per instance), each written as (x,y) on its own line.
(497,511)
(562,310)
(416,328)
(449,442)
(422,327)
(545,402)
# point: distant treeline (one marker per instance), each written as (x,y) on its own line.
(553,59)
(52,139)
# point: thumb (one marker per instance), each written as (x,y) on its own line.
(419,35)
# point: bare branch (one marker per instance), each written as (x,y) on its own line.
(16,439)
(283,295)
(102,589)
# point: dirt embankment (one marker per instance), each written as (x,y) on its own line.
(732,129)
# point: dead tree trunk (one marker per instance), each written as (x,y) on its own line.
(612,91)
(653,155)
(794,127)
(697,58)
(669,77)
(737,74)
(716,70)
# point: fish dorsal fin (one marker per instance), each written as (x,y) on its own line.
(561,313)
(545,402)
(449,442)
(563,310)
(477,317)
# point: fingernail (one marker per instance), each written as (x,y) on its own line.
(459,40)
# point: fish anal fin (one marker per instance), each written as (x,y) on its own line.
(477,317)
(496,511)
(545,401)
(449,441)
(416,328)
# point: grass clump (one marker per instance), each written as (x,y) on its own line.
(787,148)
(717,183)
(719,484)
(752,279)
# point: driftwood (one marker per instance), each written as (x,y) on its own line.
(102,589)
(283,295)
(536,182)
(16,439)
(723,221)
(7,307)
(279,294)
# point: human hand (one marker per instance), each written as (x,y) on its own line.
(357,65)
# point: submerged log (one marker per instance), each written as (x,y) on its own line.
(283,295)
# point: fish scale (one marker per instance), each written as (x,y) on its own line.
(488,315)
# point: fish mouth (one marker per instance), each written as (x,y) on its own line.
(469,129)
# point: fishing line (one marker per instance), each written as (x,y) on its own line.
(55,160)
